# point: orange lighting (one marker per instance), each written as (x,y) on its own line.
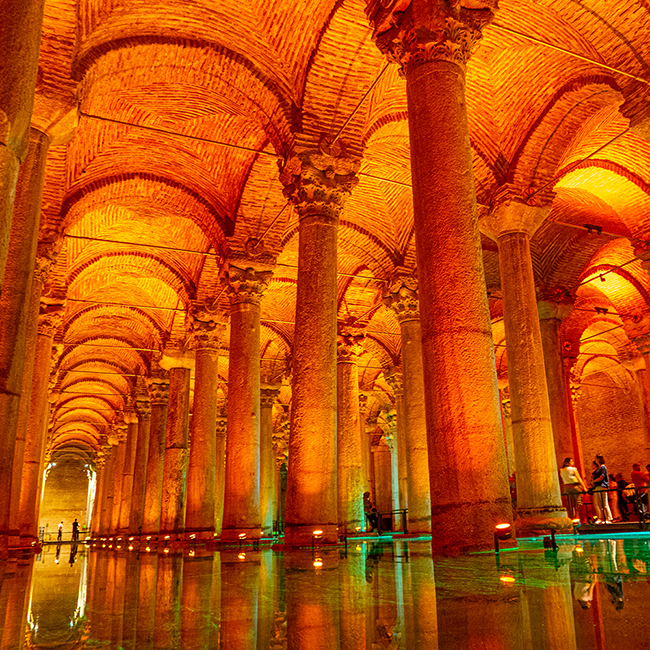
(131,539)
(166,550)
(148,537)
(192,536)
(318,533)
(130,548)
(147,549)
(502,526)
(166,536)
(242,556)
(242,535)
(318,562)
(575,522)
(507,580)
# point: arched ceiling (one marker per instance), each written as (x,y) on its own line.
(183,112)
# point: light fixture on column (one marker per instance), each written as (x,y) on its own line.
(318,562)
(317,535)
(242,537)
(501,532)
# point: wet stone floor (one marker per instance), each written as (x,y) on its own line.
(591,594)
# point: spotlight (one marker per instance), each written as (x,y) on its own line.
(166,536)
(130,548)
(507,578)
(148,549)
(318,562)
(131,539)
(501,532)
(576,524)
(166,550)
(148,537)
(316,535)
(192,553)
(358,529)
(118,547)
(242,556)
(192,536)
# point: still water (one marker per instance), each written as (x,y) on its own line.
(589,595)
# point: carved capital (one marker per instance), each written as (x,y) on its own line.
(47,250)
(401,295)
(363,403)
(506,407)
(50,317)
(205,326)
(394,380)
(247,285)
(554,302)
(121,431)
(268,396)
(349,342)
(143,407)
(158,388)
(575,393)
(447,31)
(317,181)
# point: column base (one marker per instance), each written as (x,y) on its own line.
(229,535)
(421,526)
(199,534)
(533,522)
(303,534)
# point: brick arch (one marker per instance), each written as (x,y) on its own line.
(91,380)
(183,286)
(608,165)
(159,330)
(72,347)
(214,226)
(275,111)
(536,159)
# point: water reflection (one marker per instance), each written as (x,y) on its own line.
(588,595)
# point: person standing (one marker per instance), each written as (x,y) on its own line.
(573,485)
(640,480)
(370,511)
(601,485)
(59,536)
(621,484)
(75,530)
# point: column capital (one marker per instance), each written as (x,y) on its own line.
(206,326)
(410,35)
(129,413)
(269,395)
(401,295)
(158,387)
(394,379)
(50,316)
(350,336)
(554,302)
(143,407)
(247,283)
(121,431)
(363,403)
(317,180)
(513,210)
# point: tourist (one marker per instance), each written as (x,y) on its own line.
(640,480)
(59,537)
(370,511)
(600,483)
(573,485)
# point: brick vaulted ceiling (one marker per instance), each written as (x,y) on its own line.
(182,111)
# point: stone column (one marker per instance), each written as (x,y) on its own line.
(432,42)
(208,328)
(349,454)
(397,426)
(158,387)
(16,307)
(506,412)
(220,471)
(269,395)
(553,308)
(20,40)
(106,504)
(128,472)
(317,181)
(365,442)
(402,298)
(174,491)
(118,475)
(241,513)
(390,435)
(539,502)
(143,410)
(51,316)
(96,525)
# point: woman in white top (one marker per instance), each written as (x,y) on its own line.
(573,485)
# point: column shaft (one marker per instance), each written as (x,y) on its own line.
(267,460)
(415,429)
(159,394)
(140,467)
(464,435)
(108,492)
(311,478)
(220,474)
(538,490)
(20,40)
(350,483)
(32,468)
(556,381)
(172,516)
(118,475)
(16,305)
(126,501)
(202,464)
(241,512)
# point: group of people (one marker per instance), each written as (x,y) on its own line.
(634,493)
(75,531)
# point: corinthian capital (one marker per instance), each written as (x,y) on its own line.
(47,250)
(318,180)
(394,379)
(401,296)
(269,395)
(412,32)
(350,337)
(50,316)
(205,326)
(247,284)
(158,384)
